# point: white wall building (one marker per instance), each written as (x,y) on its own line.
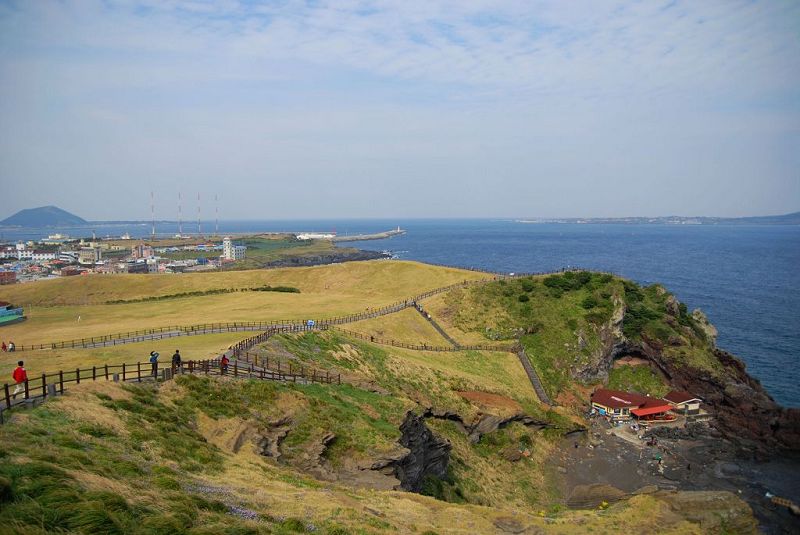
(231,251)
(41,256)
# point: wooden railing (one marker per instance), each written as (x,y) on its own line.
(50,384)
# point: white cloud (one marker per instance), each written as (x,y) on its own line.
(572,98)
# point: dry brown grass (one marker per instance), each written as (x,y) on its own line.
(406,326)
(327,291)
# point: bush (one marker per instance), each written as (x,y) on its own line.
(523,298)
(589,302)
(527,284)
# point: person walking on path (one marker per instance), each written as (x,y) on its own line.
(176,360)
(154,362)
(11,346)
(223,364)
(20,377)
(4,347)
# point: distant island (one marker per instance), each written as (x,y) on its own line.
(44,216)
(785,219)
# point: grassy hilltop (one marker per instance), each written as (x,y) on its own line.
(223,455)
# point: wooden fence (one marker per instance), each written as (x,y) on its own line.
(53,383)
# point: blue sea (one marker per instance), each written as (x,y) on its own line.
(745,278)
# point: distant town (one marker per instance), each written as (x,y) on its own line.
(61,256)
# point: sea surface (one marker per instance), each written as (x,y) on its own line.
(745,278)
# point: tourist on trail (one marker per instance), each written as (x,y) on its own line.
(11,346)
(20,376)
(223,364)
(154,362)
(4,347)
(176,360)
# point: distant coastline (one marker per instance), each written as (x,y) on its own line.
(785,219)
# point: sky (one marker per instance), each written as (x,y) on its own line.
(400,109)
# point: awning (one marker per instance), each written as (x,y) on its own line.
(651,410)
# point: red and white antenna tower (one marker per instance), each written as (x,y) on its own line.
(152,215)
(180,216)
(216,215)
(198,215)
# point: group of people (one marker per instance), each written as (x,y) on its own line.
(9,347)
(178,364)
(176,360)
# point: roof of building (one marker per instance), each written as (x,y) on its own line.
(679,396)
(617,399)
(655,409)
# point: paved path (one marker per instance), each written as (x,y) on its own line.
(438,327)
(533,377)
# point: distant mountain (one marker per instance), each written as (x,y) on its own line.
(785,219)
(44,216)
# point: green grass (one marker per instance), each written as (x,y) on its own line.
(640,379)
(558,320)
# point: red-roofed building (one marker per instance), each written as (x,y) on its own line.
(683,402)
(619,405)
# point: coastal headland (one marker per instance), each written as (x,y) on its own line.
(422,433)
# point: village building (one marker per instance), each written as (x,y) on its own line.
(89,256)
(231,251)
(619,405)
(684,402)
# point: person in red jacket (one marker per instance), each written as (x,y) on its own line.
(223,363)
(20,376)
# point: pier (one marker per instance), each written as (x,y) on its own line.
(364,237)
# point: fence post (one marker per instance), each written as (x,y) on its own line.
(123,372)
(94,373)
(139,371)
(27,392)
(8,396)
(236,368)
(106,367)
(44,385)
(78,375)
(61,380)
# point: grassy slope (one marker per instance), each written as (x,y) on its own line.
(326,291)
(191,347)
(406,326)
(558,318)
(108,458)
(430,378)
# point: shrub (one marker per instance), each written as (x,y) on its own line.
(589,302)
(523,298)
(527,284)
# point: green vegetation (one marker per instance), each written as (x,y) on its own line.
(641,378)
(561,320)
(213,291)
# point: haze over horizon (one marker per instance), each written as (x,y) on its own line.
(364,109)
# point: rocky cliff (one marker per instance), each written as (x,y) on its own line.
(743,410)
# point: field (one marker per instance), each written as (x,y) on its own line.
(406,326)
(54,307)
(201,455)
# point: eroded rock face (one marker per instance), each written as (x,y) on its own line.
(269,441)
(428,455)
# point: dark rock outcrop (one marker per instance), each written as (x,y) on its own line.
(486,423)
(428,454)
